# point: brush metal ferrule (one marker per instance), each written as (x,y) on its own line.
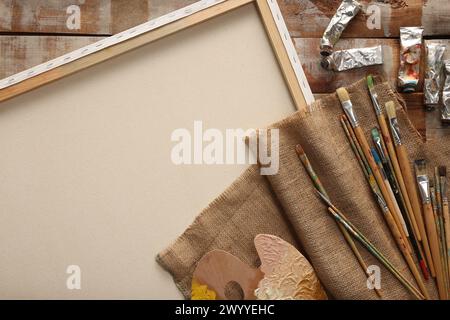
(393,122)
(424,183)
(376,103)
(381,202)
(379,147)
(348,109)
(444,189)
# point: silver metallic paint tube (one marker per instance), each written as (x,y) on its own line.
(344,14)
(433,74)
(410,49)
(446,93)
(353,58)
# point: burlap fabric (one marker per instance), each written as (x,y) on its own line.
(286,205)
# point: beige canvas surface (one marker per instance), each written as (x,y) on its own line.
(86,176)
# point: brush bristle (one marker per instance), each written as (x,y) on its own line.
(390,109)
(375,132)
(342,94)
(299,150)
(370,81)
(443,171)
(421,167)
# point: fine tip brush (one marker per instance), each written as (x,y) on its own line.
(347,105)
(391,156)
(318,185)
(341,219)
(423,182)
(445,214)
(389,171)
(401,242)
(410,182)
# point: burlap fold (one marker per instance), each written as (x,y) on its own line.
(286,205)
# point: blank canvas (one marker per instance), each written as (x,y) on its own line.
(86,176)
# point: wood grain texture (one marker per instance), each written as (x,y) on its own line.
(304,18)
(325,81)
(309,18)
(22,52)
(127,14)
(34,16)
(157,8)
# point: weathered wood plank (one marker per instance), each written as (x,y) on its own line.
(416,112)
(323,81)
(305,18)
(158,8)
(127,14)
(55,16)
(309,18)
(22,52)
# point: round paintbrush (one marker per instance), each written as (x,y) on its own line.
(410,183)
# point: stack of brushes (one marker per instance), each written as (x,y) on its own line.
(389,173)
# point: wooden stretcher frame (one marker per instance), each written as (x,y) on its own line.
(300,98)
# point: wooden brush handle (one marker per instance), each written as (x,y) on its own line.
(376,171)
(445,214)
(414,197)
(435,250)
(398,174)
(401,242)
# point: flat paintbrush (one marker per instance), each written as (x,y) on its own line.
(441,228)
(349,111)
(424,186)
(435,203)
(400,222)
(387,167)
(340,217)
(410,183)
(318,185)
(445,214)
(401,242)
(392,156)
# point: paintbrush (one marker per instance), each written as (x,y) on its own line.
(445,214)
(340,217)
(424,187)
(318,185)
(400,222)
(434,205)
(392,156)
(349,111)
(401,242)
(387,166)
(440,227)
(410,183)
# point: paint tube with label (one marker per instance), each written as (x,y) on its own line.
(410,49)
(446,94)
(353,58)
(433,74)
(344,14)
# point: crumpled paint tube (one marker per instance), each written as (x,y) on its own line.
(446,94)
(433,74)
(353,58)
(411,46)
(344,14)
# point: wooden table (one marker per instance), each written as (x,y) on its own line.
(33,31)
